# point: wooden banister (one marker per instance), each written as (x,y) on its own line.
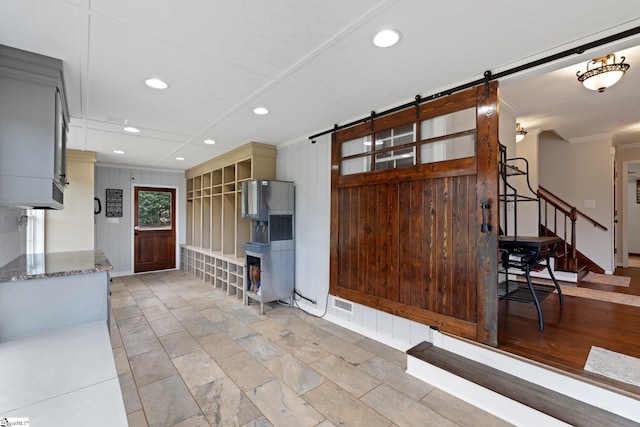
(560,202)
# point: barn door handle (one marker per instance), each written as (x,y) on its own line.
(485,227)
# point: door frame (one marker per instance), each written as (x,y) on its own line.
(623,224)
(176,219)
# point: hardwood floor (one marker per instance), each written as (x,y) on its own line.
(571,330)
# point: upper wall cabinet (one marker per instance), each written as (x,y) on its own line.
(33,130)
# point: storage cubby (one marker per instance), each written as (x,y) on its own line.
(243,228)
(206,222)
(197,221)
(243,170)
(189,221)
(229,223)
(214,224)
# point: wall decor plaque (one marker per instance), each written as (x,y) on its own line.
(114,203)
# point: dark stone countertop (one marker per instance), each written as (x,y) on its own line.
(59,264)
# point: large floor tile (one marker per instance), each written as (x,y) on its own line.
(225,404)
(198,368)
(347,376)
(283,407)
(344,349)
(179,344)
(219,345)
(134,325)
(245,370)
(140,343)
(199,327)
(341,408)
(396,377)
(156,312)
(259,347)
(460,411)
(151,366)
(167,402)
(402,410)
(166,326)
(129,393)
(384,351)
(301,348)
(200,357)
(296,375)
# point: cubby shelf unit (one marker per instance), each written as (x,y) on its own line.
(215,269)
(215,228)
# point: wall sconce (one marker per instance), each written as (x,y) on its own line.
(520,133)
(604,76)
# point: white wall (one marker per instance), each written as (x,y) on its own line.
(633,212)
(625,237)
(507,137)
(115,235)
(71,228)
(578,172)
(528,217)
(309,166)
(13,237)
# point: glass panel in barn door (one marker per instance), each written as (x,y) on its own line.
(460,125)
(397,137)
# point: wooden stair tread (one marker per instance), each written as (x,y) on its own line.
(552,403)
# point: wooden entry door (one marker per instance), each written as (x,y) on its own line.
(154,239)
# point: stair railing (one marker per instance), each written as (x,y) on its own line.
(558,218)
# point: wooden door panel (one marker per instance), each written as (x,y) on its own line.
(154,247)
(407,241)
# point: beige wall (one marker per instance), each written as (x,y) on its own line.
(72,228)
(580,172)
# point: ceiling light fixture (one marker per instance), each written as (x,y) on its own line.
(261,111)
(604,76)
(386,38)
(520,132)
(209,141)
(156,83)
(131,129)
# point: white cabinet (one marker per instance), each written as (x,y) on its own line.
(33,130)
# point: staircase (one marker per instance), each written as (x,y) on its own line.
(558,218)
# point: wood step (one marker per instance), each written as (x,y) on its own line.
(552,403)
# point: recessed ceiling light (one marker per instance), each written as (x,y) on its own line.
(156,83)
(118,151)
(260,111)
(209,141)
(386,38)
(179,158)
(131,129)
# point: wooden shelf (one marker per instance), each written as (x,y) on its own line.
(215,269)
(215,227)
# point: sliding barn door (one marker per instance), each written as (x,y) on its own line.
(406,213)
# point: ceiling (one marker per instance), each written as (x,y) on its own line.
(312,64)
